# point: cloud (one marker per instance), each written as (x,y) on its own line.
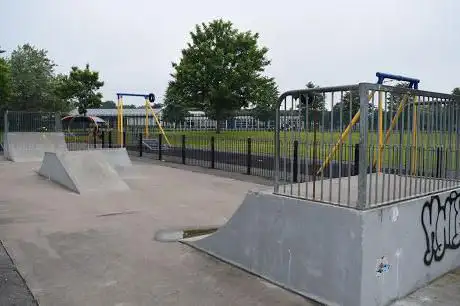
(132,43)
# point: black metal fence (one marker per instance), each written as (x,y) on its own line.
(241,155)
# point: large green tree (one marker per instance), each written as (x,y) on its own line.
(81,87)
(174,110)
(266,97)
(108,105)
(220,70)
(5,84)
(313,102)
(33,84)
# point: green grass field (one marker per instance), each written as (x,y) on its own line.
(262,143)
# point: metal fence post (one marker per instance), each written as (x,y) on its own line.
(183,149)
(249,159)
(140,144)
(295,161)
(213,152)
(438,162)
(95,140)
(363,158)
(124,139)
(57,122)
(103,139)
(277,145)
(110,139)
(6,127)
(160,140)
(356,165)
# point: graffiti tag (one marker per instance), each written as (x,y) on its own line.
(441,224)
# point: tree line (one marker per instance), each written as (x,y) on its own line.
(29,82)
(221,72)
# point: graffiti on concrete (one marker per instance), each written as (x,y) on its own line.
(441,224)
(382,266)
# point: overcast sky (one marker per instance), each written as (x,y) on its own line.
(331,42)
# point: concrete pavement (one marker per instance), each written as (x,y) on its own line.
(78,250)
(13,288)
(99,250)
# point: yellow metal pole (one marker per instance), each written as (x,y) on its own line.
(342,137)
(414,136)
(379,167)
(159,124)
(147,117)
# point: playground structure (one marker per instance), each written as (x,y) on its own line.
(385,226)
(89,126)
(149,98)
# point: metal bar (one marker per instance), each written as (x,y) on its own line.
(124,94)
(394,176)
(277,146)
(322,148)
(457,133)
(407,145)
(341,147)
(376,135)
(382,76)
(6,123)
(307,152)
(380,128)
(286,146)
(331,131)
(403,90)
(318,90)
(384,151)
(364,160)
(350,108)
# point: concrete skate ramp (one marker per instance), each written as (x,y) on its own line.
(338,255)
(117,157)
(31,146)
(82,171)
(286,243)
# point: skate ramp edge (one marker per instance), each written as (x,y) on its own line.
(338,255)
(31,146)
(117,157)
(81,171)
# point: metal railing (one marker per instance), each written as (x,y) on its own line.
(23,121)
(366,145)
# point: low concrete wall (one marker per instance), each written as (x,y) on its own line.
(409,244)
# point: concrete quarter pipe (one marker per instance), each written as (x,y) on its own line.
(339,255)
(82,171)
